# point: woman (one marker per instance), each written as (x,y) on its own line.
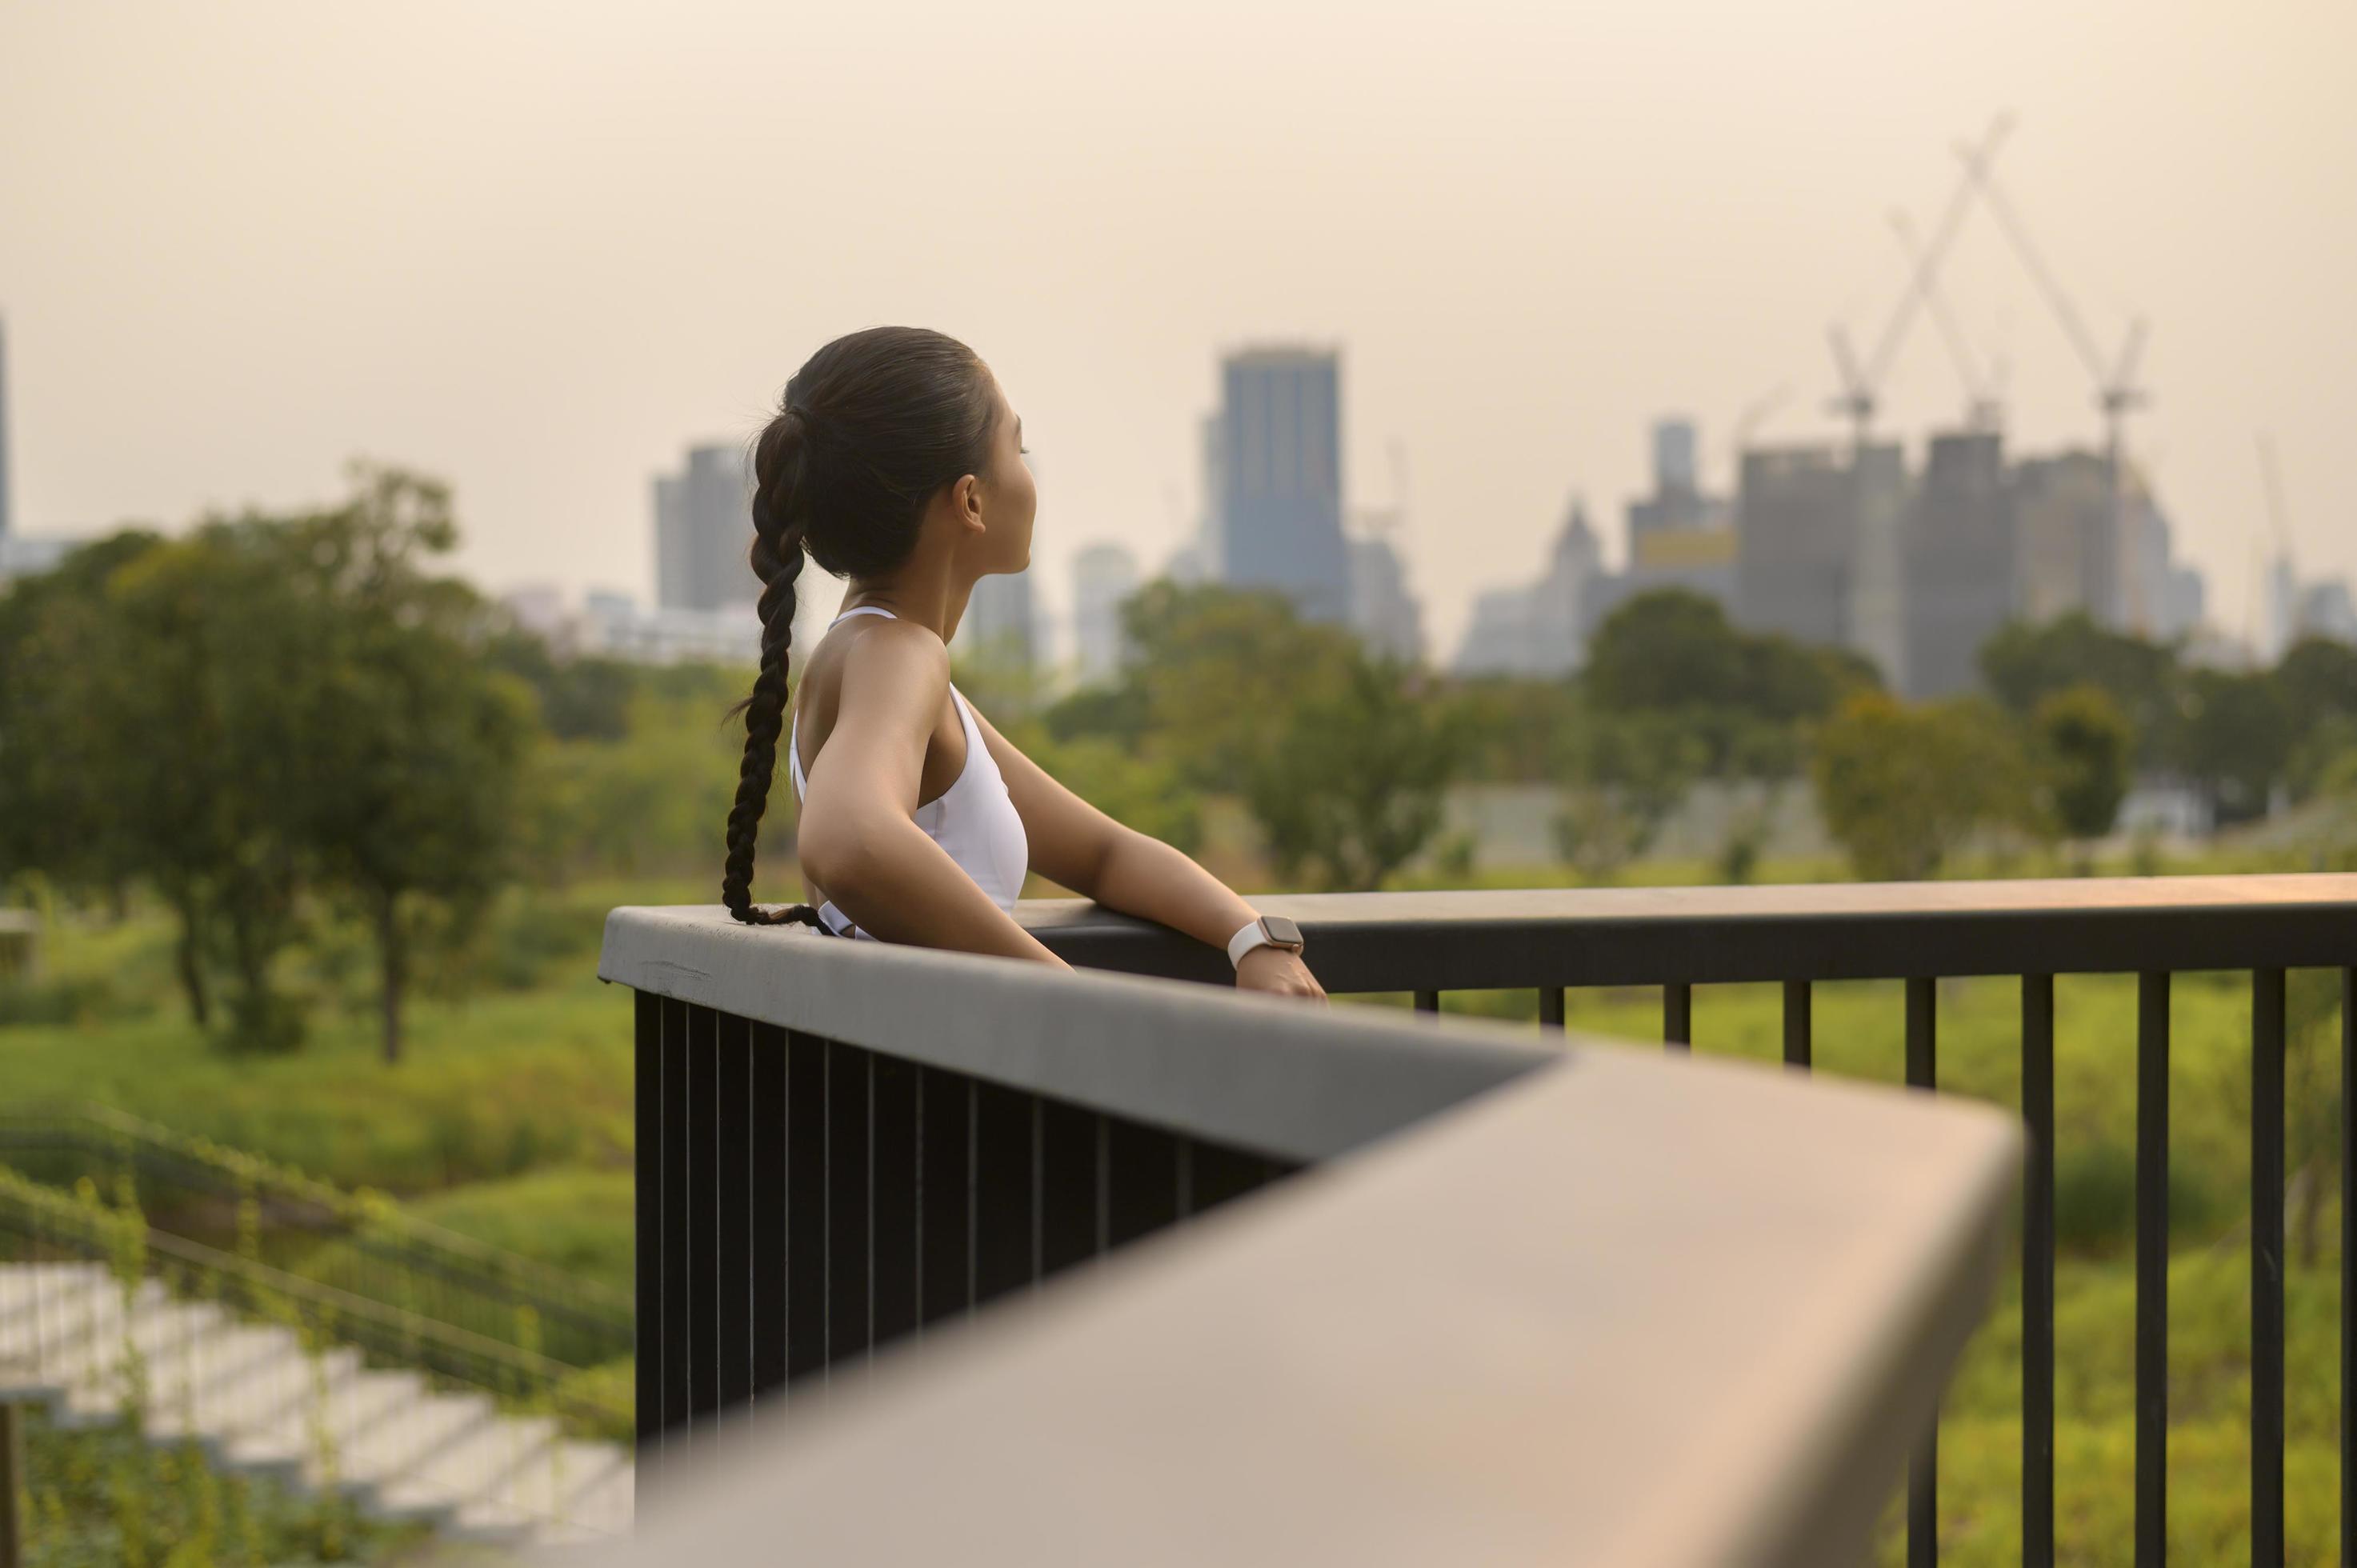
(897,463)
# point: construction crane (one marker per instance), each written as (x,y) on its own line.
(2116,392)
(1861,381)
(1755,414)
(1982,409)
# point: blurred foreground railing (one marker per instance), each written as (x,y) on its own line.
(1917,933)
(1497,1301)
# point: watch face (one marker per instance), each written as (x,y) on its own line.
(1281,931)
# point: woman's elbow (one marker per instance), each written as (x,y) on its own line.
(835,854)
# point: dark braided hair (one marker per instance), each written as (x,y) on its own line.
(871,427)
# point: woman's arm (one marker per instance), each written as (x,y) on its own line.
(859,839)
(1075,845)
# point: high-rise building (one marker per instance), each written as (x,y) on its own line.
(704,531)
(998,623)
(2067,537)
(1796,543)
(2327,610)
(1676,470)
(1383,612)
(1103,576)
(1542,629)
(1277,460)
(1961,562)
(1678,537)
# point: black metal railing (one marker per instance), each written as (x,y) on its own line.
(844,1147)
(865,1196)
(1678,938)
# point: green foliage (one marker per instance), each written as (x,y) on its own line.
(1221,672)
(1901,788)
(267,714)
(103,1497)
(2087,751)
(1744,697)
(1350,791)
(2024,664)
(1627,773)
(2238,740)
(1514,730)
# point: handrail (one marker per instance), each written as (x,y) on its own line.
(356,1208)
(1123,1047)
(1652,935)
(43,1214)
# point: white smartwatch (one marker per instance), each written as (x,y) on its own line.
(1264,931)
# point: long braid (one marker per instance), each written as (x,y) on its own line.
(873,426)
(779,522)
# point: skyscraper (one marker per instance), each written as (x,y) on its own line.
(704,531)
(1276,455)
(1383,612)
(1796,543)
(1961,565)
(997,623)
(1103,576)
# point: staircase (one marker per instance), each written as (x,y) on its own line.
(259,1400)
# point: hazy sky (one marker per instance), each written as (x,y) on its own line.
(538,248)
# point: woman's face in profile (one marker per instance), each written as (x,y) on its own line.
(1009,497)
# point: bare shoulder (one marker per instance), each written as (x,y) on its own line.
(894,665)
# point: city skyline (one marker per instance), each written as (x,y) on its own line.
(450,279)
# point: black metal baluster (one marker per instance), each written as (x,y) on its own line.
(675,1208)
(2268,1268)
(647,1261)
(2152,1270)
(1677,1017)
(1142,1166)
(1002,1238)
(1182,1176)
(1101,1188)
(892,1216)
(847,1192)
(2038,1272)
(1068,1176)
(703,1215)
(806,1184)
(944,1195)
(1550,1006)
(1797,1009)
(768,1123)
(1428,1001)
(1924,1473)
(732,1254)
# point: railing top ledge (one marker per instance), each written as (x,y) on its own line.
(1302,1082)
(1449,941)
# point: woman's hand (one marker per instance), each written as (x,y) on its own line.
(1280,973)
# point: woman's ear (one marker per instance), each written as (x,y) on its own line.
(966,497)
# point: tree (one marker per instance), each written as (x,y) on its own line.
(1348,788)
(1902,788)
(2087,751)
(2024,663)
(1627,775)
(420,745)
(1221,670)
(2316,681)
(2236,742)
(1745,697)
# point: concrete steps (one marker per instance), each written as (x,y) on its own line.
(256,1401)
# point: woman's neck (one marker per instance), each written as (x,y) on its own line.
(934,597)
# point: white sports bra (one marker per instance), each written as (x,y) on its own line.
(974,819)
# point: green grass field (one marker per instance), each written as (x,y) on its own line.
(510,1120)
